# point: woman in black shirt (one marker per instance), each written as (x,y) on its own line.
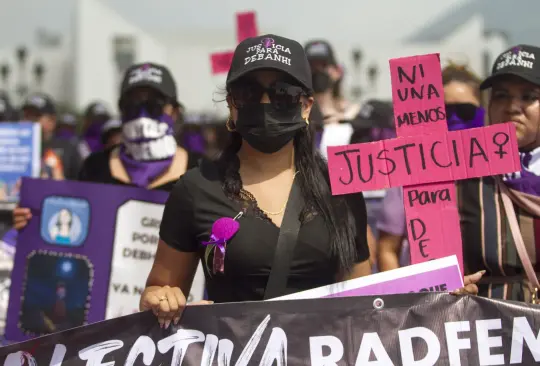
(249,187)
(148,156)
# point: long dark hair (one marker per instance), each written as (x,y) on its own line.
(315,186)
(461,73)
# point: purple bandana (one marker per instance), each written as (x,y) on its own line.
(148,147)
(92,137)
(194,141)
(65,134)
(455,123)
(526,180)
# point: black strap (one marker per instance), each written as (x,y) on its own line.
(288,236)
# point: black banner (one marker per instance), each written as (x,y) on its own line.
(410,329)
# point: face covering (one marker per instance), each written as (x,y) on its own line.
(455,123)
(266,129)
(321,81)
(92,136)
(148,147)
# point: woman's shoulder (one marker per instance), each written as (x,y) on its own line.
(96,165)
(193,159)
(203,176)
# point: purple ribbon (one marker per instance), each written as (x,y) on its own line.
(219,252)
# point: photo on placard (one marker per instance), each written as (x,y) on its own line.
(65,221)
(56,292)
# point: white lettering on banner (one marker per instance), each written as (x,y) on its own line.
(94,354)
(407,351)
(484,348)
(58,355)
(325,350)
(145,73)
(135,243)
(318,358)
(371,342)
(523,334)
(454,343)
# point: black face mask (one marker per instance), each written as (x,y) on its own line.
(321,81)
(266,129)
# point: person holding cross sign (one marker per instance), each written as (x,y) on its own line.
(462,100)
(500,220)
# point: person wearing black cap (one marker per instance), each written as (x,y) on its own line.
(148,156)
(95,115)
(501,217)
(67,127)
(61,155)
(268,181)
(111,133)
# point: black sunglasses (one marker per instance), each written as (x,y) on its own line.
(131,109)
(464,111)
(282,95)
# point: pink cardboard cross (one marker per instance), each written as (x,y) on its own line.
(246,27)
(425,159)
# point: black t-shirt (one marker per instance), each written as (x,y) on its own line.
(96,169)
(68,153)
(197,201)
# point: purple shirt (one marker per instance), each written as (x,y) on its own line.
(392,220)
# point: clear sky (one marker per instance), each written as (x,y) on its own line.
(365,21)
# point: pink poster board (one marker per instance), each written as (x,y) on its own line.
(246,27)
(425,159)
(439,275)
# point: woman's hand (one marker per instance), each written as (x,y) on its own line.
(470,284)
(166,302)
(21,216)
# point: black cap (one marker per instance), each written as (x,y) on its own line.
(271,52)
(518,61)
(375,114)
(150,75)
(68,119)
(40,102)
(319,50)
(97,111)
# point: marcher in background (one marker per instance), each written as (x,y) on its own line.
(95,116)
(67,127)
(327,75)
(111,133)
(148,156)
(61,155)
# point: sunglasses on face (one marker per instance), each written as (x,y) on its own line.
(131,109)
(283,95)
(464,111)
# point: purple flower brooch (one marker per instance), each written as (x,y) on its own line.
(223,230)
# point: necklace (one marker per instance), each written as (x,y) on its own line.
(282,209)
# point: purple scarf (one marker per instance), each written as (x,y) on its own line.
(92,137)
(526,180)
(65,134)
(148,147)
(194,141)
(455,123)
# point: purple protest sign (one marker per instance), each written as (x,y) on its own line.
(439,275)
(64,270)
